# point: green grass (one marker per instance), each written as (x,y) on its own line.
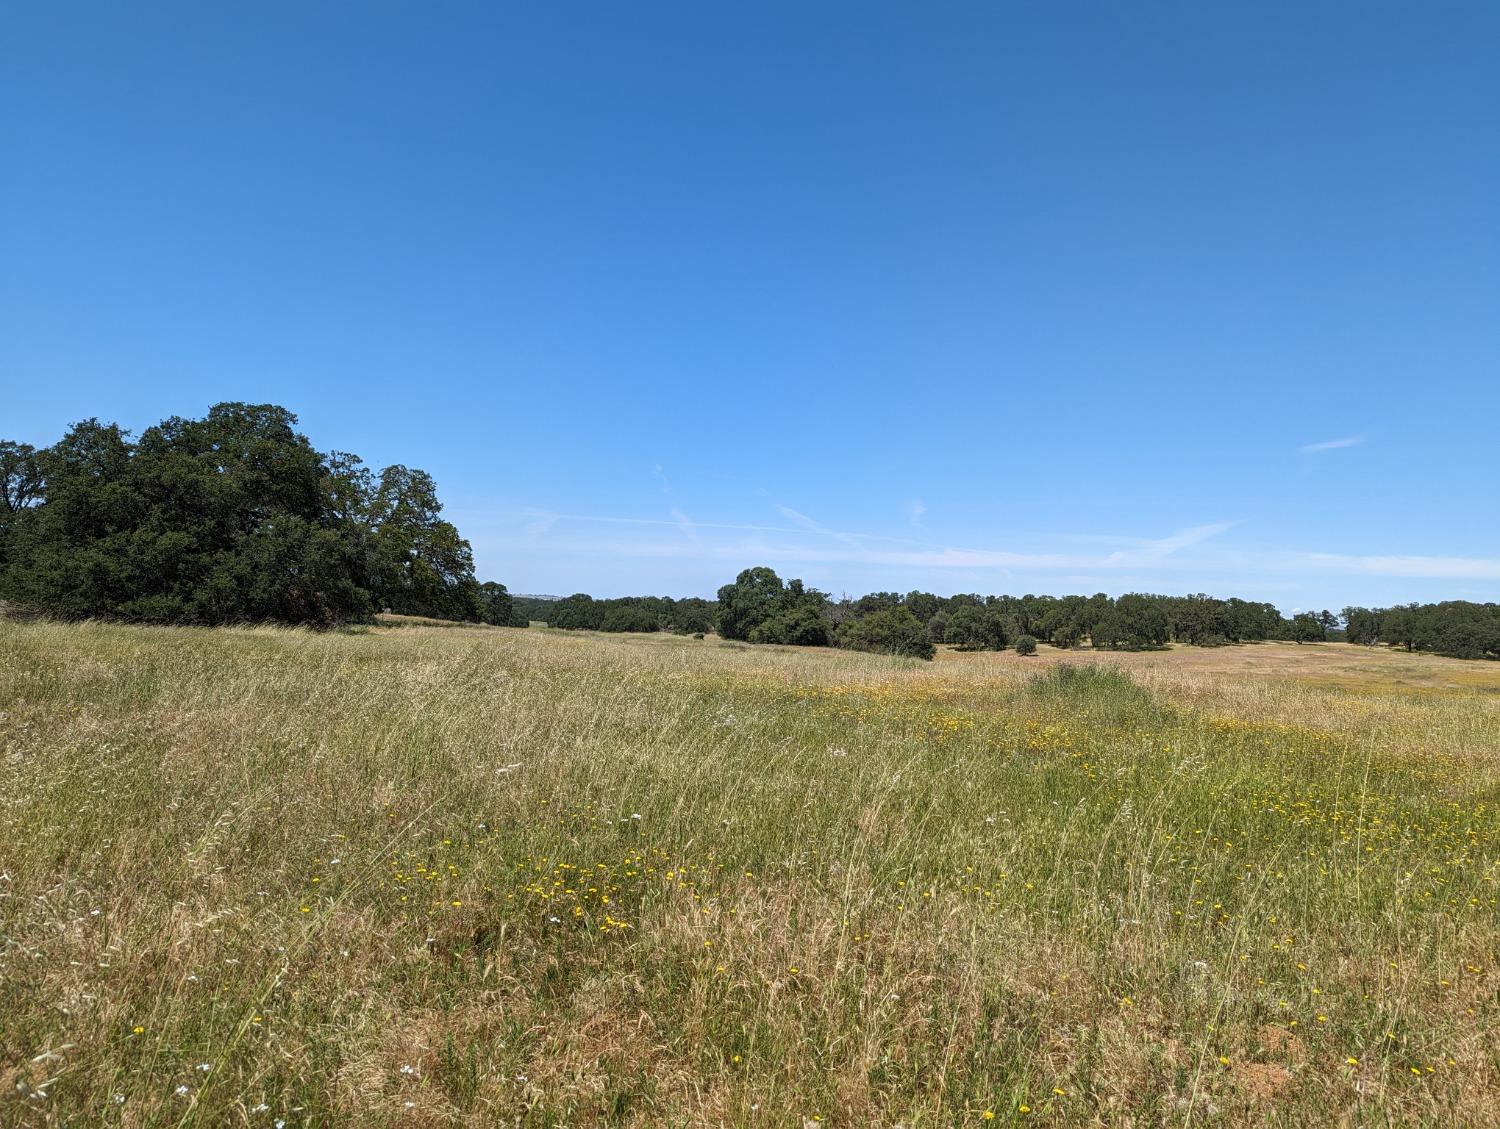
(464,877)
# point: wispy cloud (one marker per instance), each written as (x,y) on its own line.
(1403,565)
(1123,568)
(1334,444)
(1184,556)
(809,525)
(685,524)
(914,511)
(1186,538)
(540,522)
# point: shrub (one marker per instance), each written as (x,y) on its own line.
(802,625)
(1026,645)
(890,631)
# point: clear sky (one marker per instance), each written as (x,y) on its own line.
(988,297)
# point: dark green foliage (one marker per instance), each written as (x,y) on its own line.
(693,616)
(1307,627)
(755,596)
(1362,626)
(799,625)
(890,631)
(923,605)
(972,622)
(1134,623)
(625,617)
(1026,645)
(759,608)
(526,609)
(972,628)
(421,564)
(497,606)
(875,602)
(578,612)
(1457,628)
(230,518)
(628,613)
(21,485)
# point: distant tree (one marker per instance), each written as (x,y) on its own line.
(975,629)
(876,601)
(21,487)
(1307,627)
(498,607)
(889,630)
(622,615)
(421,564)
(1026,645)
(754,597)
(923,605)
(20,477)
(579,611)
(692,616)
(1134,622)
(799,624)
(1362,626)
(1399,626)
(759,608)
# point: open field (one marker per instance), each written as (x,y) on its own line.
(434,877)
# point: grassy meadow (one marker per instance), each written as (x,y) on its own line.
(434,876)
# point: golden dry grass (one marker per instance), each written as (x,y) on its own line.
(434,877)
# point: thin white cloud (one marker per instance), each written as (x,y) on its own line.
(1135,566)
(685,524)
(810,526)
(1334,444)
(914,511)
(539,524)
(814,529)
(1186,538)
(1407,565)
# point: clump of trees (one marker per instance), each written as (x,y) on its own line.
(231,518)
(1457,628)
(1134,621)
(759,608)
(628,613)
(889,631)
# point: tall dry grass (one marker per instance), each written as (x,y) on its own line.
(428,877)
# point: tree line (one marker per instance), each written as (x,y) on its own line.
(760,607)
(629,613)
(1457,628)
(231,518)
(237,518)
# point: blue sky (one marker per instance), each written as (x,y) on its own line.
(966,297)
